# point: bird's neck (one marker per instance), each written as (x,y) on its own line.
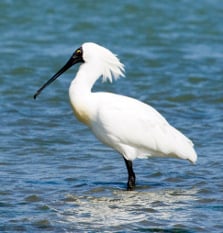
(80,92)
(86,76)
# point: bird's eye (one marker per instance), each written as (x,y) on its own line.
(78,52)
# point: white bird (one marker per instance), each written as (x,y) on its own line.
(131,127)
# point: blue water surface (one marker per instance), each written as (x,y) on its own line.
(54,174)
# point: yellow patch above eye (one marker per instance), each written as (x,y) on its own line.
(78,51)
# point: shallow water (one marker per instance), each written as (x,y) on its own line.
(54,175)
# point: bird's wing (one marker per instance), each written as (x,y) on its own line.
(126,121)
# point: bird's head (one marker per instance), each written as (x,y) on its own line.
(92,53)
(104,60)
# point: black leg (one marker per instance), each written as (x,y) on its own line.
(131,178)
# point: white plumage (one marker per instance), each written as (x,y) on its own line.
(131,127)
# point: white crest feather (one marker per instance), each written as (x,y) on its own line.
(108,62)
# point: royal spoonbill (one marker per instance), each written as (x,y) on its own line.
(131,127)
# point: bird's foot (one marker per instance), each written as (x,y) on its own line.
(131,183)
